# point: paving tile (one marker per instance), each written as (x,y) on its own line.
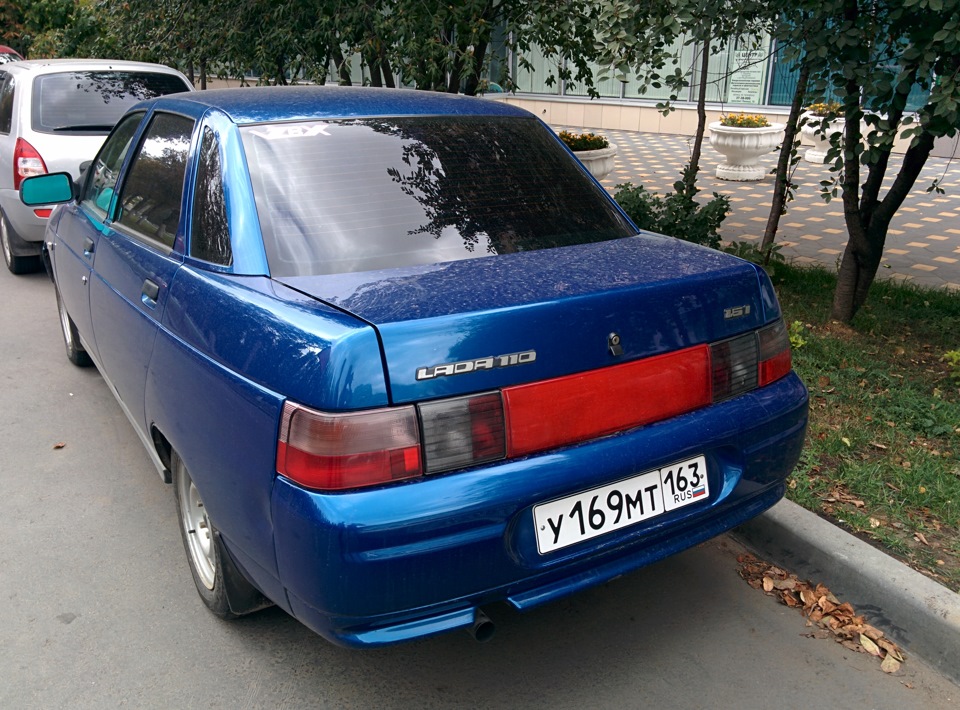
(812,230)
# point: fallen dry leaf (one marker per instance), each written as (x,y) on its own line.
(920,538)
(821,607)
(869,646)
(59,445)
(890,665)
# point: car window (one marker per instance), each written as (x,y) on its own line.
(210,234)
(6,102)
(367,194)
(152,193)
(102,180)
(93,101)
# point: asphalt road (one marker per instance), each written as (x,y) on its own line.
(98,609)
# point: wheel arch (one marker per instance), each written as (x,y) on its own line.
(165,451)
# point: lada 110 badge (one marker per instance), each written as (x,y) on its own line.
(463,367)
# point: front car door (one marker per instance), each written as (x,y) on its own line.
(136,261)
(81,225)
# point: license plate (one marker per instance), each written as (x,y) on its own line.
(602,510)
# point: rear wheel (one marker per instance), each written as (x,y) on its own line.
(221,586)
(71,340)
(16,264)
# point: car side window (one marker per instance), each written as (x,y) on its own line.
(6,102)
(210,233)
(100,183)
(152,193)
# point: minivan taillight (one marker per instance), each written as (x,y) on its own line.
(26,162)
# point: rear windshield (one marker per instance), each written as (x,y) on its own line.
(368,194)
(93,101)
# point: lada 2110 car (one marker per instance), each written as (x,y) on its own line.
(401,357)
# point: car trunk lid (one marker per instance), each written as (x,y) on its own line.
(474,325)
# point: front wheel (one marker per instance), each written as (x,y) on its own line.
(221,586)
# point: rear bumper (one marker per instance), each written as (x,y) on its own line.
(379,566)
(24,222)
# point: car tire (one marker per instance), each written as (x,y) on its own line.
(222,587)
(16,264)
(71,339)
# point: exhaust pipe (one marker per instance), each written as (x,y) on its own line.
(482,628)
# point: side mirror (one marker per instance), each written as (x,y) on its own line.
(52,189)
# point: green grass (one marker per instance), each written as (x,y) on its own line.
(883,449)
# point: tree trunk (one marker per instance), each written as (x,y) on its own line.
(387,71)
(690,174)
(782,183)
(868,228)
(479,54)
(203,74)
(342,70)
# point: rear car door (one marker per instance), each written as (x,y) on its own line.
(136,260)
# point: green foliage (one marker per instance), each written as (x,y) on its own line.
(769,258)
(952,358)
(583,141)
(796,331)
(677,214)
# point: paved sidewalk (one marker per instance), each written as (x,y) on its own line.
(923,244)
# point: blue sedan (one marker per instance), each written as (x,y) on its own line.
(401,357)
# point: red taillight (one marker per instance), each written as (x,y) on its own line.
(775,360)
(335,451)
(26,162)
(566,410)
(43,213)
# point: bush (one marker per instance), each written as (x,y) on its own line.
(677,214)
(583,141)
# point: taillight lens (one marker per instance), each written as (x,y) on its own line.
(335,451)
(775,360)
(26,162)
(545,415)
(462,431)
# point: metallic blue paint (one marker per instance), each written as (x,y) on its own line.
(659,294)
(208,366)
(466,539)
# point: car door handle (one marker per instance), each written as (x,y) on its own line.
(150,293)
(87,246)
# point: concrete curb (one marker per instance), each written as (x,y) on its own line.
(916,612)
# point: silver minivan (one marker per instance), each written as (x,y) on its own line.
(54,115)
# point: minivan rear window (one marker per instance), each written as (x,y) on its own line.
(93,101)
(378,193)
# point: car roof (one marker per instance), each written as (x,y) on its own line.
(251,105)
(45,66)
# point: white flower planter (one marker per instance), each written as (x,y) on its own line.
(742,149)
(820,140)
(599,162)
